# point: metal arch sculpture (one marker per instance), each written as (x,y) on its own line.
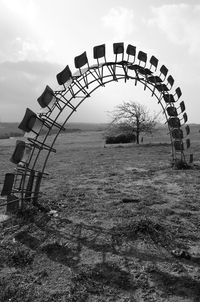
(24,183)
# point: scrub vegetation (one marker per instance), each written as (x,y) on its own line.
(125,225)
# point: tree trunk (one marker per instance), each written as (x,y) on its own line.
(137,137)
(138,131)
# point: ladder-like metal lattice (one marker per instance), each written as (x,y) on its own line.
(41,130)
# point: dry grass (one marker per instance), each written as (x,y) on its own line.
(122,210)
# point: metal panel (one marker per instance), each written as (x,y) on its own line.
(99,51)
(64,76)
(177,134)
(187,128)
(81,60)
(142,56)
(191,158)
(118,48)
(144,71)
(154,79)
(164,70)
(8,184)
(46,97)
(188,143)
(168,98)
(174,122)
(18,152)
(28,121)
(170,80)
(154,61)
(178,145)
(182,106)
(172,111)
(162,87)
(178,92)
(185,117)
(131,50)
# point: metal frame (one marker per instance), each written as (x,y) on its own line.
(76,87)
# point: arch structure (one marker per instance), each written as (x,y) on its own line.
(41,130)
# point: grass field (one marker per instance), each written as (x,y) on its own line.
(120,212)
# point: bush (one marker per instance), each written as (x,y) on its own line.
(121,139)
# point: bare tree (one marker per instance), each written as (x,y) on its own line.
(135,117)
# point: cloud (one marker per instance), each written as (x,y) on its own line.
(30,49)
(121,21)
(21,83)
(22,32)
(180,23)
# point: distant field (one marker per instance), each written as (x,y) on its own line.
(120,212)
(11,129)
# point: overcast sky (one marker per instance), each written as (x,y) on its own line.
(40,37)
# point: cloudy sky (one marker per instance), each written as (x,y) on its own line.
(40,37)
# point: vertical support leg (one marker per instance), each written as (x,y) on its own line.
(29,187)
(37,188)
